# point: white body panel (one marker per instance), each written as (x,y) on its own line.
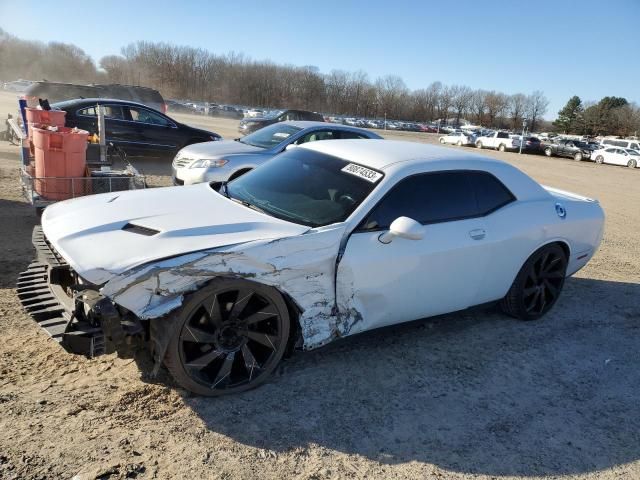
(343,281)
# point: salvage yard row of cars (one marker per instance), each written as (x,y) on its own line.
(304,232)
(611,151)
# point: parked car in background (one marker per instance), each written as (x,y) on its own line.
(459,139)
(249,125)
(139,130)
(530,145)
(254,112)
(615,142)
(58,92)
(498,140)
(225,111)
(568,148)
(174,106)
(229,159)
(618,156)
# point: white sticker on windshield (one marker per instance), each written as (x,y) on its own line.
(362,172)
(281,134)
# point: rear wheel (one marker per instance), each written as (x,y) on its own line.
(459,143)
(229,337)
(599,159)
(479,145)
(548,152)
(538,284)
(631,164)
(578,157)
(442,140)
(502,147)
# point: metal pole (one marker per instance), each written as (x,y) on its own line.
(524,126)
(102,134)
(385,120)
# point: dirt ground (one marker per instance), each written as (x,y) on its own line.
(471,395)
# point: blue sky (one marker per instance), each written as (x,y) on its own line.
(561,47)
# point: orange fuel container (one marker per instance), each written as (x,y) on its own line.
(61,160)
(36,117)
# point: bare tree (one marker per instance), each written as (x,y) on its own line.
(537,107)
(517,106)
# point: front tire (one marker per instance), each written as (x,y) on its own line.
(479,145)
(578,157)
(631,164)
(548,152)
(600,159)
(459,143)
(229,337)
(502,147)
(537,285)
(442,141)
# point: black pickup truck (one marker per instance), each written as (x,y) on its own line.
(569,148)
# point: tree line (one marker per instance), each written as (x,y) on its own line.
(196,74)
(609,116)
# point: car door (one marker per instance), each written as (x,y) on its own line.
(410,279)
(155,134)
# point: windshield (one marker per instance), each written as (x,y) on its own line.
(270,136)
(305,187)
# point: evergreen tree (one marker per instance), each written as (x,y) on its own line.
(570,116)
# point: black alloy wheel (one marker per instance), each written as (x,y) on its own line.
(230,336)
(538,284)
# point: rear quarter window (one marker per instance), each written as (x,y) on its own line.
(491,193)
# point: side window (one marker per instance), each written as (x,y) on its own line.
(316,135)
(143,115)
(634,146)
(428,198)
(503,135)
(343,134)
(113,112)
(610,150)
(289,116)
(89,112)
(491,194)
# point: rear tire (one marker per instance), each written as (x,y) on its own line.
(548,152)
(442,141)
(538,284)
(502,147)
(578,157)
(479,145)
(459,143)
(631,164)
(600,159)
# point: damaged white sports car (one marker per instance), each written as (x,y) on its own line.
(324,241)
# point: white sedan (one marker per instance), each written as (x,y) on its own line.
(323,241)
(618,156)
(458,138)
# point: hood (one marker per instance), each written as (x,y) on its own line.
(259,120)
(200,131)
(158,223)
(217,149)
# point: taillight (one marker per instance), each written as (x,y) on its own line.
(165,108)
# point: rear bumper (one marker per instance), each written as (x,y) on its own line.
(76,316)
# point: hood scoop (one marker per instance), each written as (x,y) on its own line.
(140,230)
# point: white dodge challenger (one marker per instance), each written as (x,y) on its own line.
(326,240)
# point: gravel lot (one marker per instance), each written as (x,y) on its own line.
(470,395)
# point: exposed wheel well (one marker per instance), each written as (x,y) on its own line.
(239,173)
(564,246)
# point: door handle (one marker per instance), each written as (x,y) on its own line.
(477,234)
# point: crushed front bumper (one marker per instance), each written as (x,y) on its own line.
(76,316)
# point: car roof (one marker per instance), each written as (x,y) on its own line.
(304,124)
(380,154)
(94,101)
